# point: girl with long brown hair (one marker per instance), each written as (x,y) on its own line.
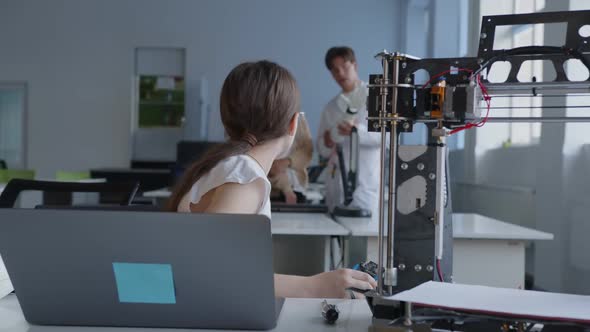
(259,106)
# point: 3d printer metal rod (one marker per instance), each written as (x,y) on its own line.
(524,119)
(390,270)
(543,95)
(533,107)
(539,87)
(540,119)
(383,124)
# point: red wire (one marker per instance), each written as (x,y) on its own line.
(484,91)
(487,100)
(440,276)
(445,72)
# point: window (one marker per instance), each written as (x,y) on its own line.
(495,135)
(159,102)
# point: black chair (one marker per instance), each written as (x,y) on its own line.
(125,191)
(150,179)
(188,152)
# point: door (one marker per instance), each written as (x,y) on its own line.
(13,102)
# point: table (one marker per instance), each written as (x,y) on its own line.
(303,242)
(33,198)
(486,251)
(149,179)
(159,196)
(158,193)
(297,315)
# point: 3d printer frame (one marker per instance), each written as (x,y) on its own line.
(415,226)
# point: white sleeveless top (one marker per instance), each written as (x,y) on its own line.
(240,169)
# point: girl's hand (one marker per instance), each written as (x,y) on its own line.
(333,284)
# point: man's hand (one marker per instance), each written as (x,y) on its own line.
(290,197)
(328,142)
(345,128)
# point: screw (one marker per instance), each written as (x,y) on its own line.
(404,65)
(404,166)
(480,60)
(402,267)
(418,268)
(375,125)
(484,35)
(429,268)
(420,166)
(406,125)
(432,176)
(408,79)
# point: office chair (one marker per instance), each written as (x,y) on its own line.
(188,152)
(125,190)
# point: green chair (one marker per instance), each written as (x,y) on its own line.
(72,176)
(8,174)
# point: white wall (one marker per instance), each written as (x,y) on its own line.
(77,56)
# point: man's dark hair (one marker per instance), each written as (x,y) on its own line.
(344,52)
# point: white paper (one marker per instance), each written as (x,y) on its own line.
(5,284)
(500,301)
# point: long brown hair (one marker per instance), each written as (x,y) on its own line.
(257,102)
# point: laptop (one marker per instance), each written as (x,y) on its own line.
(140,269)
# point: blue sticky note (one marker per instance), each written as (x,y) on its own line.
(144,283)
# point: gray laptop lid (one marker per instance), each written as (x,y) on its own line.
(145,269)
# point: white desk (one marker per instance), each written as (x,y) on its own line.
(297,315)
(159,193)
(302,242)
(313,224)
(486,251)
(30,199)
(159,196)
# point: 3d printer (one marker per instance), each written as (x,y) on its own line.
(415,228)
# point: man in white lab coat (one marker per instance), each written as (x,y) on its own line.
(345,111)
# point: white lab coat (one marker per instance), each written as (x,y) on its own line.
(366,193)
